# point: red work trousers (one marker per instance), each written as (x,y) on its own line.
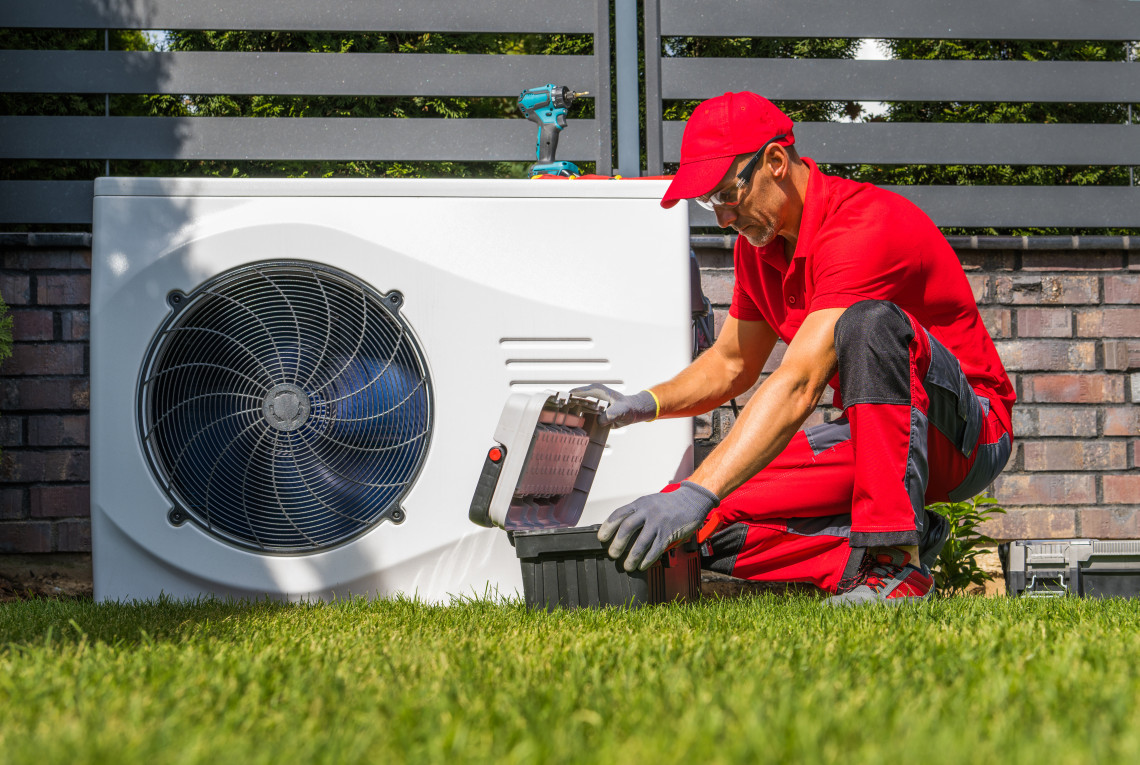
(913,431)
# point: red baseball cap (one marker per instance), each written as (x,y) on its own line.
(721,129)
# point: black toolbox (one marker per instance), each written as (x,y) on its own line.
(534,484)
(1084,567)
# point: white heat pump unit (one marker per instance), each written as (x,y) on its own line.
(295,382)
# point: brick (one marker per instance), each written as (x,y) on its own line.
(76,325)
(979,285)
(70,289)
(1110,523)
(1135,387)
(1068,260)
(1044,322)
(1075,455)
(1122,289)
(1045,489)
(1109,322)
(1047,290)
(13,504)
(29,326)
(16,289)
(25,537)
(998,322)
(1044,421)
(47,260)
(719,317)
(45,359)
(73,535)
(1122,421)
(1032,523)
(987,260)
(1073,388)
(776,357)
(1121,354)
(33,394)
(1047,355)
(58,430)
(11,431)
(20,466)
(1121,489)
(60,501)
(717,284)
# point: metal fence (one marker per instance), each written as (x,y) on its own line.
(666,78)
(295,74)
(961,81)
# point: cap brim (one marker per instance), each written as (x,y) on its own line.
(695,179)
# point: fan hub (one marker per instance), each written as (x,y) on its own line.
(286,407)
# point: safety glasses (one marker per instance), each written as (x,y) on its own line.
(730,197)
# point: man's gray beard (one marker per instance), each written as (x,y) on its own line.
(769,234)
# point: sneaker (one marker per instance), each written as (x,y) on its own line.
(884,576)
(934,538)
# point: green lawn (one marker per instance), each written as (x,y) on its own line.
(762,679)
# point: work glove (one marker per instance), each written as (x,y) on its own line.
(653,523)
(622,410)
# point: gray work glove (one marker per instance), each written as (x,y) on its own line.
(655,522)
(622,409)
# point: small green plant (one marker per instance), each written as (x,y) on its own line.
(957,569)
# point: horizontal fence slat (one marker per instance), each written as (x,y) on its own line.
(326,74)
(462,16)
(1011,206)
(32,202)
(243,138)
(935,19)
(900,143)
(845,80)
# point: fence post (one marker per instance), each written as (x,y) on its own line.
(629,130)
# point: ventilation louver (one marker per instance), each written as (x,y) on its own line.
(285,407)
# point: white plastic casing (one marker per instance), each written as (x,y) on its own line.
(507,286)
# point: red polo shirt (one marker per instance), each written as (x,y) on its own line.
(860,242)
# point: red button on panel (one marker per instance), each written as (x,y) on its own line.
(495,454)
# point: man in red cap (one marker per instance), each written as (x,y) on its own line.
(871,299)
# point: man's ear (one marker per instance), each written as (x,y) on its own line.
(776,157)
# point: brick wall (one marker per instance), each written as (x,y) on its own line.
(1066,321)
(44,472)
(1067,325)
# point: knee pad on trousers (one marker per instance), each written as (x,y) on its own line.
(872,346)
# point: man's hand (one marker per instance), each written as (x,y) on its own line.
(622,410)
(655,522)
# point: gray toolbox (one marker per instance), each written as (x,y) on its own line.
(534,484)
(1085,567)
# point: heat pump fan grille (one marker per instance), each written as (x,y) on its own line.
(285,407)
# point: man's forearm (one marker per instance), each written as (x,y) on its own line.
(766,425)
(702,386)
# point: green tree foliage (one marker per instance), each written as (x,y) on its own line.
(977,113)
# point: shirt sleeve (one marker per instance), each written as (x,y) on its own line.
(745,275)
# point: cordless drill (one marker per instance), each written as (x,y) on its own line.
(547,106)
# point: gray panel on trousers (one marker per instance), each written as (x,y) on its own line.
(246,138)
(356,15)
(900,143)
(961,19)
(46,201)
(1010,206)
(326,74)
(844,80)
